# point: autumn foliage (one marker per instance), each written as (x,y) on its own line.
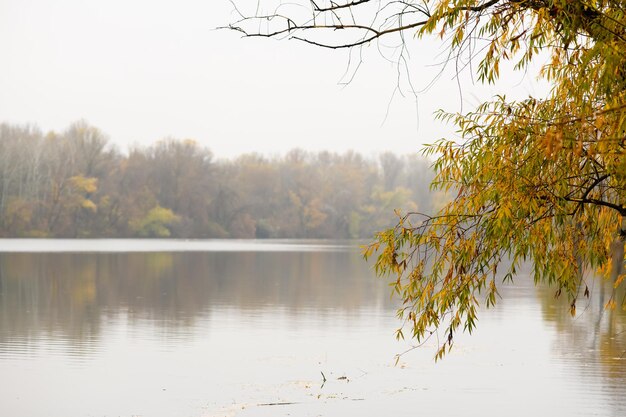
(77,184)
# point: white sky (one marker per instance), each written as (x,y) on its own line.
(141,70)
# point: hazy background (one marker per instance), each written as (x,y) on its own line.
(143,70)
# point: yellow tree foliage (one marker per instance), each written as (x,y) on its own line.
(542,180)
(155,223)
(80,188)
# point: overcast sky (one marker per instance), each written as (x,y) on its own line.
(142,70)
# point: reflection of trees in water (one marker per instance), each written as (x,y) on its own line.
(595,335)
(72,293)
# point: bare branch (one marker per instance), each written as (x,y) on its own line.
(338,6)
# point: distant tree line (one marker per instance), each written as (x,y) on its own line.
(77,184)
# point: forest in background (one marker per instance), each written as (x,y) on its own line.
(78,184)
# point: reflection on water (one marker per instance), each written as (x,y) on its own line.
(212,333)
(595,340)
(73,294)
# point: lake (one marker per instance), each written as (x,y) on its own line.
(124,328)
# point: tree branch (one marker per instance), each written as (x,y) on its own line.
(377,34)
(336,6)
(317,10)
(620,209)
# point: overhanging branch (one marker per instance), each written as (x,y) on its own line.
(373,30)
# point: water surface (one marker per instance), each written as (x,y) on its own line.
(209,328)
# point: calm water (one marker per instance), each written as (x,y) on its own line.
(191,329)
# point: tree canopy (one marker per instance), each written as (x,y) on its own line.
(76,183)
(540,180)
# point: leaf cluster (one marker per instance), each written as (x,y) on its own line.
(535,180)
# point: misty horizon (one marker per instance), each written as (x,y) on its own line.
(126,148)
